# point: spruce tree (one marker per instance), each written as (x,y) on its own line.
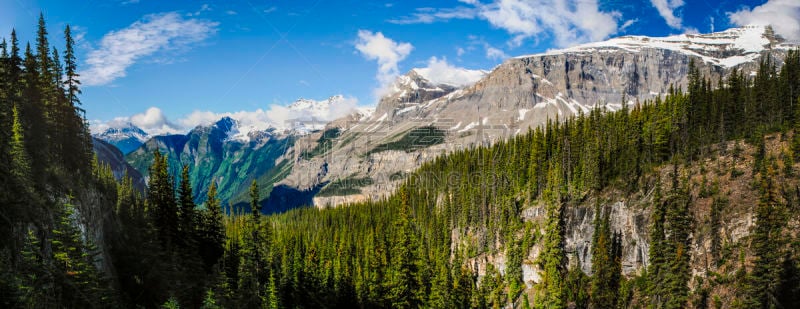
(605,275)
(32,117)
(552,258)
(768,244)
(657,271)
(20,164)
(402,284)
(255,205)
(161,202)
(187,215)
(213,233)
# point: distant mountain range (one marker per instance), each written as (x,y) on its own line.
(126,137)
(364,155)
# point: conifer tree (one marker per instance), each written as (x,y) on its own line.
(71,70)
(32,109)
(187,213)
(656,271)
(605,275)
(74,265)
(20,164)
(552,258)
(213,233)
(161,201)
(255,205)
(768,244)
(402,284)
(273,300)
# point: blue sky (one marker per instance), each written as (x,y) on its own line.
(229,56)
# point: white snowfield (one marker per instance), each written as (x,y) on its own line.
(749,41)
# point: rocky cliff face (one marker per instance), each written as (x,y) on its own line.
(631,215)
(108,154)
(218,153)
(522,93)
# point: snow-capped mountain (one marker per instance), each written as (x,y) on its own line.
(455,77)
(462,107)
(241,147)
(299,118)
(421,85)
(521,93)
(126,137)
(727,48)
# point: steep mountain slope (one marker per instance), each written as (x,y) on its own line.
(219,153)
(108,154)
(126,138)
(234,152)
(429,119)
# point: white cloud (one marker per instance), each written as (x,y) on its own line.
(666,8)
(440,71)
(154,33)
(270,10)
(492,53)
(431,15)
(460,51)
(690,30)
(495,53)
(711,23)
(387,52)
(204,8)
(628,23)
(569,22)
(154,122)
(783,15)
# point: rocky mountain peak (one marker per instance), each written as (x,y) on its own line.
(521,93)
(314,105)
(728,48)
(421,85)
(125,136)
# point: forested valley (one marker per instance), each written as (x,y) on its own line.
(74,237)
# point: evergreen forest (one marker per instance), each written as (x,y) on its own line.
(73,236)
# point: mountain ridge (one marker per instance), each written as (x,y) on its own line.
(522,93)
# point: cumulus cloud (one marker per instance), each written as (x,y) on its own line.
(154,33)
(387,52)
(154,122)
(569,22)
(276,115)
(783,15)
(666,8)
(440,71)
(495,53)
